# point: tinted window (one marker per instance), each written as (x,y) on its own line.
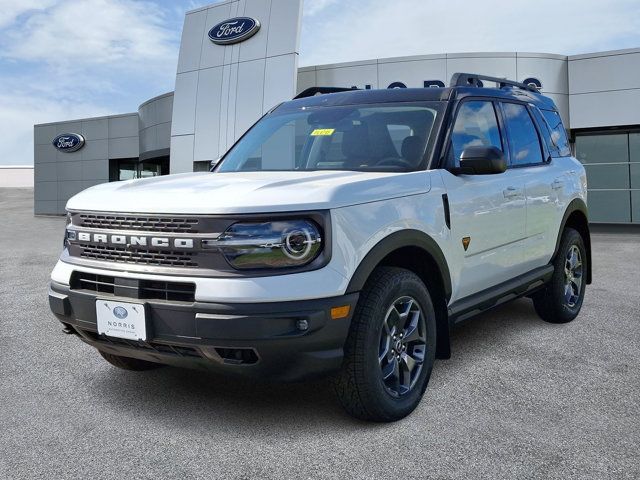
(523,136)
(558,133)
(476,125)
(545,132)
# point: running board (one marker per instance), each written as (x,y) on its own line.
(492,297)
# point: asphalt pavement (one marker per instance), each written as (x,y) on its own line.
(520,398)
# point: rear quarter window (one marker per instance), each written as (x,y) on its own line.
(559,142)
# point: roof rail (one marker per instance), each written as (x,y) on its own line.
(310,92)
(474,80)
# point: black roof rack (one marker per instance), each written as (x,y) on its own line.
(474,80)
(310,92)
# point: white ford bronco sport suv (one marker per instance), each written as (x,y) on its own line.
(344,233)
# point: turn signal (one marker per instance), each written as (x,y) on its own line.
(340,312)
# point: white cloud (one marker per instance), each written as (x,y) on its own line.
(360,29)
(10,10)
(83,32)
(19,113)
(69,59)
(313,7)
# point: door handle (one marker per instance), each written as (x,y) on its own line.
(510,192)
(557,184)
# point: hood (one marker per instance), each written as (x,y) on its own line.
(249,192)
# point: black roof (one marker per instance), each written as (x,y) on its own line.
(355,97)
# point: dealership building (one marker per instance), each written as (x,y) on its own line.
(239,58)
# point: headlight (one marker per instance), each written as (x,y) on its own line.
(65,241)
(279,244)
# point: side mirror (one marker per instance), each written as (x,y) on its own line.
(481,161)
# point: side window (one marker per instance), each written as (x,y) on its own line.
(545,131)
(558,133)
(523,136)
(476,125)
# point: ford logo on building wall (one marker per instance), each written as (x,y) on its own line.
(68,142)
(234,30)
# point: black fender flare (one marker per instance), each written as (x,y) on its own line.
(395,241)
(414,239)
(577,205)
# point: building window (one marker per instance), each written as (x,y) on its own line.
(201,166)
(123,169)
(131,168)
(612,162)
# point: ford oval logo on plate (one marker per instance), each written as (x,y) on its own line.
(234,30)
(68,142)
(120,312)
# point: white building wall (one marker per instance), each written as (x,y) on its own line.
(605,89)
(550,69)
(222,90)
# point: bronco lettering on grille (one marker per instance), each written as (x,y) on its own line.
(136,240)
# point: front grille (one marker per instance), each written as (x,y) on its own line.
(140,223)
(93,283)
(177,350)
(170,291)
(160,258)
(134,288)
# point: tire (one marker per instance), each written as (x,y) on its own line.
(127,363)
(370,348)
(561,300)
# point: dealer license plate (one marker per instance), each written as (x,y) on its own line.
(122,320)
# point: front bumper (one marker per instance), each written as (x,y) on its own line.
(286,341)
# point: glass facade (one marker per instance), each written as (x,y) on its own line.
(612,162)
(132,168)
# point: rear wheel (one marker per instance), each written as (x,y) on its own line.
(561,300)
(390,349)
(127,363)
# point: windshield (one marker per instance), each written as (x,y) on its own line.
(389,137)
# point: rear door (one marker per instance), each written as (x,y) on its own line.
(488,216)
(544,179)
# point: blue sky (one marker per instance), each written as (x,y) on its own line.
(66,59)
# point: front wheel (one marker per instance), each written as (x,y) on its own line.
(561,300)
(390,349)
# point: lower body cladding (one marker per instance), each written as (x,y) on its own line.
(285,341)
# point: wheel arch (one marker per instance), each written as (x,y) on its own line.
(418,252)
(576,216)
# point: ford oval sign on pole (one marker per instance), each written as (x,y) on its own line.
(234,30)
(68,142)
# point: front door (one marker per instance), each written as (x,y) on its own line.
(488,212)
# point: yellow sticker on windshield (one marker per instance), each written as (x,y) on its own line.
(322,132)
